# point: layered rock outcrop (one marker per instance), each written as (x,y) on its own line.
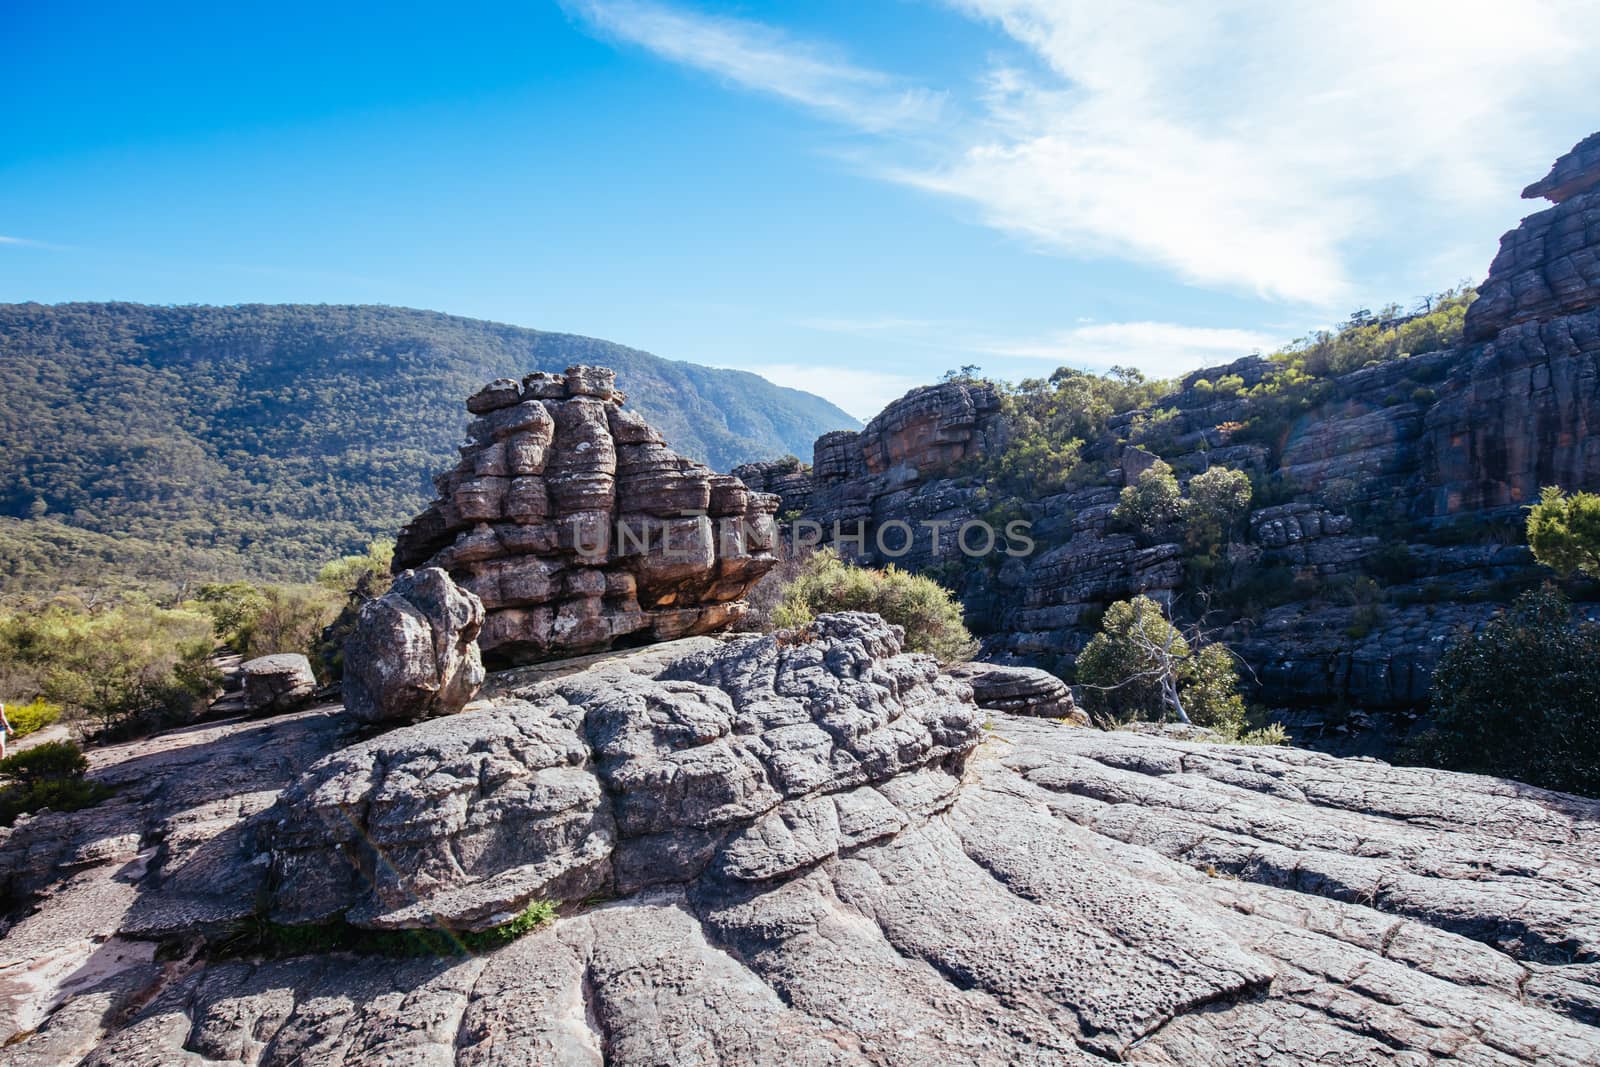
(756,758)
(846,871)
(578,528)
(278,682)
(1549,265)
(1411,474)
(1020,691)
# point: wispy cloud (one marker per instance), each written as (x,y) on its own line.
(1247,145)
(862,393)
(760,57)
(1160,349)
(24,242)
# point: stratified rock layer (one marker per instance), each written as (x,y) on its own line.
(278,682)
(1020,691)
(837,876)
(750,758)
(579,528)
(1549,265)
(1402,486)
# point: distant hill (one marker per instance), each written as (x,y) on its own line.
(262,439)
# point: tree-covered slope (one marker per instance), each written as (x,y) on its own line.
(283,435)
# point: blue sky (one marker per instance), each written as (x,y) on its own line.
(850,198)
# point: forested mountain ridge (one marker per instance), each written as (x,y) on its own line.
(283,435)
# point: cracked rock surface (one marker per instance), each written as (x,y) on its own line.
(812,851)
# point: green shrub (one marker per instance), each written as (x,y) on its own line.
(930,615)
(1564,532)
(46,776)
(291,619)
(53,759)
(33,716)
(1049,419)
(370,568)
(1152,503)
(1521,698)
(278,940)
(1367,339)
(1140,663)
(113,663)
(1218,499)
(1363,620)
(1271,734)
(231,606)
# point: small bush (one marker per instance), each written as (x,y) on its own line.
(930,615)
(46,776)
(1153,502)
(1271,734)
(116,663)
(1139,659)
(1218,499)
(278,940)
(1564,532)
(33,716)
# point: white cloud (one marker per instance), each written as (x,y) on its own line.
(1248,143)
(1160,349)
(766,59)
(4,240)
(862,393)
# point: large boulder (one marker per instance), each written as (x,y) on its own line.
(414,651)
(1020,691)
(753,759)
(279,682)
(579,528)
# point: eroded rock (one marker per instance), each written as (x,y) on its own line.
(279,682)
(885,890)
(612,780)
(578,528)
(414,651)
(1020,691)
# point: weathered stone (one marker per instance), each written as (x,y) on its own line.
(1053,896)
(414,651)
(465,820)
(1576,172)
(500,393)
(1020,691)
(278,682)
(560,480)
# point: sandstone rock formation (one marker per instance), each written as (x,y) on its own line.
(580,529)
(846,871)
(1020,691)
(1550,265)
(279,682)
(754,757)
(414,651)
(1412,474)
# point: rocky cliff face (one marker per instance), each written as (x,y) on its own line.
(578,528)
(795,850)
(1412,472)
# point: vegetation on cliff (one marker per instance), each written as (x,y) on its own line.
(1142,666)
(1564,532)
(1521,699)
